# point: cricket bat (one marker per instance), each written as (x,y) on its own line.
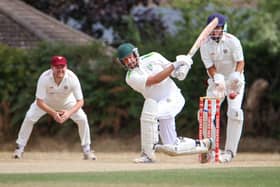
(203,35)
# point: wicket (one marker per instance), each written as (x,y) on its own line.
(202,109)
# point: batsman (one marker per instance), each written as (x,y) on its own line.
(150,75)
(222,56)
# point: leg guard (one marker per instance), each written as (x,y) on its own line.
(185,146)
(149,127)
(234,129)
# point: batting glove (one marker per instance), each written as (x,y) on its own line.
(182,60)
(182,72)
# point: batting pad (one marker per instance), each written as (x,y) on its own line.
(182,148)
(149,127)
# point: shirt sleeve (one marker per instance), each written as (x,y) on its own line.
(136,81)
(163,61)
(41,88)
(237,51)
(77,90)
(205,56)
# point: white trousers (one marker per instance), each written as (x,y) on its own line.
(35,113)
(167,110)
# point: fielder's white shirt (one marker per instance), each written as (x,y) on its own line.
(69,90)
(224,55)
(151,64)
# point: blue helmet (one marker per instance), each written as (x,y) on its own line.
(222,19)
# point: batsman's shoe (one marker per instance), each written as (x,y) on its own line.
(204,158)
(18,154)
(143,159)
(226,156)
(89,156)
(207,157)
(207,142)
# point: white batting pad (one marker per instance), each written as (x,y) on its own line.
(149,127)
(234,129)
(183,147)
(235,114)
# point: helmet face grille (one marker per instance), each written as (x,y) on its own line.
(124,50)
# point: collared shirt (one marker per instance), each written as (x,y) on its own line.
(68,90)
(151,64)
(224,55)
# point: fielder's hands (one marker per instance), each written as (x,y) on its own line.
(181,72)
(56,116)
(61,116)
(65,115)
(220,85)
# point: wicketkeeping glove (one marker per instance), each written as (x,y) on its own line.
(220,85)
(235,82)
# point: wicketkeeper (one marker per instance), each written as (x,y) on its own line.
(58,94)
(222,56)
(150,76)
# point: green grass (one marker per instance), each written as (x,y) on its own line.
(214,177)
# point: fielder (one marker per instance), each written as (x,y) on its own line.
(58,94)
(222,56)
(150,76)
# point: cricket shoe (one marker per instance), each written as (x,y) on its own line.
(204,158)
(207,142)
(18,154)
(89,155)
(143,159)
(226,156)
(207,157)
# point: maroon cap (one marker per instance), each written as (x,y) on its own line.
(58,60)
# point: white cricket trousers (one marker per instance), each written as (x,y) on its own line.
(167,110)
(35,113)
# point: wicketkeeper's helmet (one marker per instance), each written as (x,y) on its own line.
(222,19)
(221,23)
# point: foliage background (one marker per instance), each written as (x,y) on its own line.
(112,107)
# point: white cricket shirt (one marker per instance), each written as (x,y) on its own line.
(68,90)
(224,55)
(151,64)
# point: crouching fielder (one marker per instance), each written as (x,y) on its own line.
(58,94)
(150,76)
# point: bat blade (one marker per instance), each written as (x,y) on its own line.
(203,35)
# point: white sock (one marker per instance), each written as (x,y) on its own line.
(86,148)
(20,148)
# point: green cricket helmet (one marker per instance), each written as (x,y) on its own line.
(125,50)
